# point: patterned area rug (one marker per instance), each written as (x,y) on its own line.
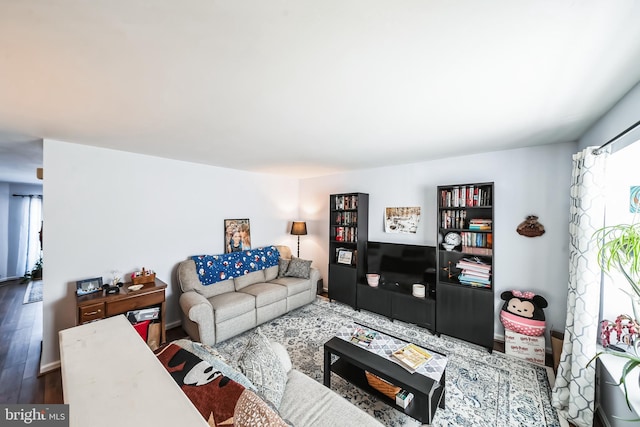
(33,292)
(482,389)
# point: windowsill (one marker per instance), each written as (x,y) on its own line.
(614,365)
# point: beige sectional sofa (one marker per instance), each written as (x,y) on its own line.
(216,312)
(304,401)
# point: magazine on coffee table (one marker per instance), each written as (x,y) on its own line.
(362,336)
(411,357)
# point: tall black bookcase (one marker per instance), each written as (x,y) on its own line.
(465,253)
(348,234)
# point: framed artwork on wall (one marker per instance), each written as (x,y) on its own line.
(237,235)
(401,220)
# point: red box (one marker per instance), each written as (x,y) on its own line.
(142,328)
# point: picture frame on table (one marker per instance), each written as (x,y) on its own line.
(88,286)
(345,256)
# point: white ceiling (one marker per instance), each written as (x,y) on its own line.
(307,87)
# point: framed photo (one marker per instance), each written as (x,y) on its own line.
(88,286)
(344,257)
(237,235)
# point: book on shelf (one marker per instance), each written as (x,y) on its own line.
(469,265)
(476,284)
(469,278)
(480,224)
(466,196)
(363,337)
(411,357)
(476,273)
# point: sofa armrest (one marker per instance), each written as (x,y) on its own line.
(314,275)
(195,305)
(199,310)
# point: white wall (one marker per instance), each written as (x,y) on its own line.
(4,228)
(527,181)
(109,209)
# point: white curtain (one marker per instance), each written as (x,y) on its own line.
(29,249)
(574,389)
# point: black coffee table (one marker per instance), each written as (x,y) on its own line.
(352,362)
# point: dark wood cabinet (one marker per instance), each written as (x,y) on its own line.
(421,311)
(375,300)
(465,253)
(398,303)
(98,305)
(348,234)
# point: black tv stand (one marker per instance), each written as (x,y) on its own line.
(396,301)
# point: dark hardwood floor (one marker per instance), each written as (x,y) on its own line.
(20,346)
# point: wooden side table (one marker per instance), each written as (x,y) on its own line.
(99,306)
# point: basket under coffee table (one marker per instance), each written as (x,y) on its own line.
(352,360)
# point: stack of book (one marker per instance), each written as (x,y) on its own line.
(474,272)
(480,224)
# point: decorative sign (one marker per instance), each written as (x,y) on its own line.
(401,220)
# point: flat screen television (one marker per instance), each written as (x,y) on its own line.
(402,264)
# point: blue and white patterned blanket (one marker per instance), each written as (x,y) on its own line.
(216,268)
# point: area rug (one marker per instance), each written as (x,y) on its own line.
(482,389)
(33,292)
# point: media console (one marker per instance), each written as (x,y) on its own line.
(397,302)
(400,266)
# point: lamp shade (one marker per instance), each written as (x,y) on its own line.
(299,228)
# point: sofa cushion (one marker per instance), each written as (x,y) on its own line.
(232,304)
(283,264)
(294,285)
(249,279)
(260,364)
(298,267)
(266,293)
(307,402)
(271,273)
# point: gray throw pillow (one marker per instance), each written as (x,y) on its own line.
(260,364)
(299,267)
(215,359)
(283,264)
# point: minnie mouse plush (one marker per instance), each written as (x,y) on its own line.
(522,312)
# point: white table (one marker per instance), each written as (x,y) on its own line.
(110,377)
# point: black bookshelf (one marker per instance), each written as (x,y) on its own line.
(465,253)
(348,234)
